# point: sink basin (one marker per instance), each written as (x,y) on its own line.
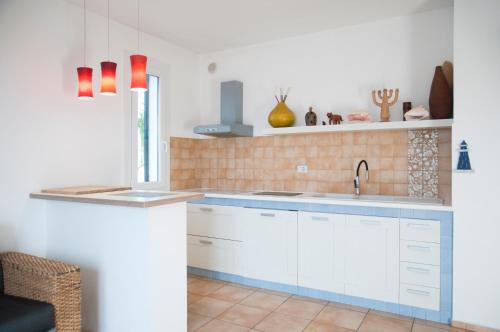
(142,194)
(277,193)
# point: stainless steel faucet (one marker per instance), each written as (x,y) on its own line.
(356,179)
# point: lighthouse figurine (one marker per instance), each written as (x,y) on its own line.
(463,158)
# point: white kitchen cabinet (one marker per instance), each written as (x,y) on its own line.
(222,222)
(214,254)
(321,251)
(372,258)
(270,245)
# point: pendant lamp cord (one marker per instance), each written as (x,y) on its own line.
(138,26)
(84,33)
(108,30)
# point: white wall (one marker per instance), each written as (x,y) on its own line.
(334,71)
(50,138)
(476,276)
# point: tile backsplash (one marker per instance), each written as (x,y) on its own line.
(395,158)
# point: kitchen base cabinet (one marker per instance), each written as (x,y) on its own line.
(372,258)
(214,254)
(321,243)
(270,245)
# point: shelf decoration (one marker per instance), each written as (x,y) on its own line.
(464,164)
(385,103)
(311,118)
(440,97)
(84,73)
(334,119)
(138,63)
(281,115)
(108,73)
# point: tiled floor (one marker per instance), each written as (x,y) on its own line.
(216,306)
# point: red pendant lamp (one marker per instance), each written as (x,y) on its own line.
(138,63)
(108,73)
(84,73)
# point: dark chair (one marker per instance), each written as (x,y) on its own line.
(38,295)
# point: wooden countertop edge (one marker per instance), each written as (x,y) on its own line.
(181,197)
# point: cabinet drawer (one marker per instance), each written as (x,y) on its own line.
(222,222)
(420,274)
(420,252)
(214,254)
(271,215)
(420,230)
(419,296)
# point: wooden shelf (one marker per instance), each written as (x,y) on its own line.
(364,126)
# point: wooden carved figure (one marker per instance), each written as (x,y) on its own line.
(385,102)
(334,118)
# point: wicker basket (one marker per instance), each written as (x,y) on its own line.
(48,281)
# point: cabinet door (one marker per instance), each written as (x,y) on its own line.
(372,258)
(214,254)
(215,221)
(270,245)
(321,251)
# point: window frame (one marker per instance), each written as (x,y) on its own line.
(161,70)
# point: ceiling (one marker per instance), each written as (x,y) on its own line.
(205,26)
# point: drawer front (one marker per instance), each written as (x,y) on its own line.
(420,230)
(420,274)
(271,215)
(214,254)
(419,296)
(214,221)
(420,252)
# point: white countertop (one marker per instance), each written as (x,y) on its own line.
(399,202)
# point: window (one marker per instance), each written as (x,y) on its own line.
(147,132)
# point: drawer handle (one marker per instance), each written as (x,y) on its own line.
(418,270)
(415,225)
(418,292)
(272,215)
(205,242)
(319,218)
(204,209)
(370,222)
(415,247)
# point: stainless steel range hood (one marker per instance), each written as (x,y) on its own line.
(231,114)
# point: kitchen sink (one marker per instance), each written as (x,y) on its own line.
(142,194)
(277,193)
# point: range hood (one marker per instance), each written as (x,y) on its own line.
(231,114)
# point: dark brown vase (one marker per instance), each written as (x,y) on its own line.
(440,98)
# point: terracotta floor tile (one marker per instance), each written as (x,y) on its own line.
(268,291)
(299,308)
(242,286)
(348,319)
(316,326)
(191,278)
(243,315)
(391,315)
(440,326)
(231,293)
(378,323)
(192,298)
(417,327)
(264,301)
(220,326)
(208,306)
(203,286)
(276,322)
(195,321)
(348,306)
(309,299)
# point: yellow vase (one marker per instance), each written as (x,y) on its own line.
(281,116)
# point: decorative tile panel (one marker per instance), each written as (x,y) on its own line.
(423,165)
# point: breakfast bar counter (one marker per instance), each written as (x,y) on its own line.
(131,247)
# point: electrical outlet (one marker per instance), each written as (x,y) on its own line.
(302,169)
